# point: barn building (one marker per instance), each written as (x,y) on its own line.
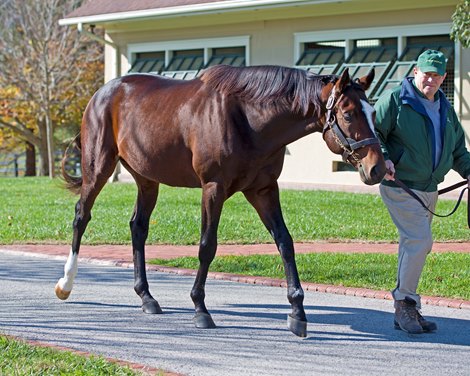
(179,38)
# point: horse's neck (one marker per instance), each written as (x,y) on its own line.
(283,128)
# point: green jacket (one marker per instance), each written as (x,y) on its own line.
(407,138)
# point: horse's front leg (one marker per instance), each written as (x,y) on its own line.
(212,201)
(146,199)
(267,204)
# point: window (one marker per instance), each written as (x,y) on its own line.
(231,56)
(146,62)
(367,54)
(185,59)
(322,57)
(392,52)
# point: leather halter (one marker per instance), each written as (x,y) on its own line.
(347,144)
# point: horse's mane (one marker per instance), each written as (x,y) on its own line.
(295,88)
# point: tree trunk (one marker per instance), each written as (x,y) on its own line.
(43,158)
(30,164)
(50,145)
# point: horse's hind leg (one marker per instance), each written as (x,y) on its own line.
(212,201)
(139,224)
(267,204)
(63,288)
(95,176)
(83,207)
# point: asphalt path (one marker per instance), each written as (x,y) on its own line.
(347,335)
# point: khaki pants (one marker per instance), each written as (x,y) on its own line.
(414,226)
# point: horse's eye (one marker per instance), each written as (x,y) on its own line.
(347,116)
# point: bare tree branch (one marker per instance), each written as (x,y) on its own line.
(21,130)
(46,63)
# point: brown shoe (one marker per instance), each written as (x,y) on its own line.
(428,326)
(406,316)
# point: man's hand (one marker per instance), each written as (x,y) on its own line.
(390,175)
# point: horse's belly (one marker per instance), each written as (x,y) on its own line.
(172,168)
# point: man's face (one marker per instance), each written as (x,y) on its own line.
(428,83)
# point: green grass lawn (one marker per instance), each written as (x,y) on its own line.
(40,210)
(20,358)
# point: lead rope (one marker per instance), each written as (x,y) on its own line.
(442,191)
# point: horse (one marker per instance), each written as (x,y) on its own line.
(225,131)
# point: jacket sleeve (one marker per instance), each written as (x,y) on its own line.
(461,155)
(385,119)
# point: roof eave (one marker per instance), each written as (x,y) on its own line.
(235,5)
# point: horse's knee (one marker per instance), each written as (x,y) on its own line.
(81,221)
(207,250)
(139,230)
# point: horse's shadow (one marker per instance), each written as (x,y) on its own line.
(355,324)
(367,324)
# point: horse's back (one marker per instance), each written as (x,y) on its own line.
(181,133)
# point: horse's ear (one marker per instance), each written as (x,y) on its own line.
(366,81)
(343,81)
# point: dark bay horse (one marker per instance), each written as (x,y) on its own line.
(225,131)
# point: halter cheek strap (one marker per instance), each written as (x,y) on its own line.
(348,145)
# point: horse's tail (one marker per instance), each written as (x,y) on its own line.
(72,183)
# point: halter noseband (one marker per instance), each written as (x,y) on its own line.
(348,145)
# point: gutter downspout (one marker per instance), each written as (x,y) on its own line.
(117,73)
(117,62)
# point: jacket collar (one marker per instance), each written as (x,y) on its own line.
(409,95)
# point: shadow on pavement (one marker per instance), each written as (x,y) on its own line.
(368,324)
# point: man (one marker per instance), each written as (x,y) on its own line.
(422,139)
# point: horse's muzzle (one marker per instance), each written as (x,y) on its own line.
(373,175)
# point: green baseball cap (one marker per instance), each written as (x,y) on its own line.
(432,61)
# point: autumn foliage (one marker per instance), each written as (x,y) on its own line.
(48,73)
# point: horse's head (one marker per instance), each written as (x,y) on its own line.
(349,126)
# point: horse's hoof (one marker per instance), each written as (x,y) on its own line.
(298,327)
(61,294)
(151,307)
(203,321)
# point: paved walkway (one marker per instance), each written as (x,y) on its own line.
(121,255)
(347,335)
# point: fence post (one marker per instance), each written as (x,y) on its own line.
(15,165)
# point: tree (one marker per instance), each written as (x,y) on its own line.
(47,73)
(461,24)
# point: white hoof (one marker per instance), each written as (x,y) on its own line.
(61,294)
